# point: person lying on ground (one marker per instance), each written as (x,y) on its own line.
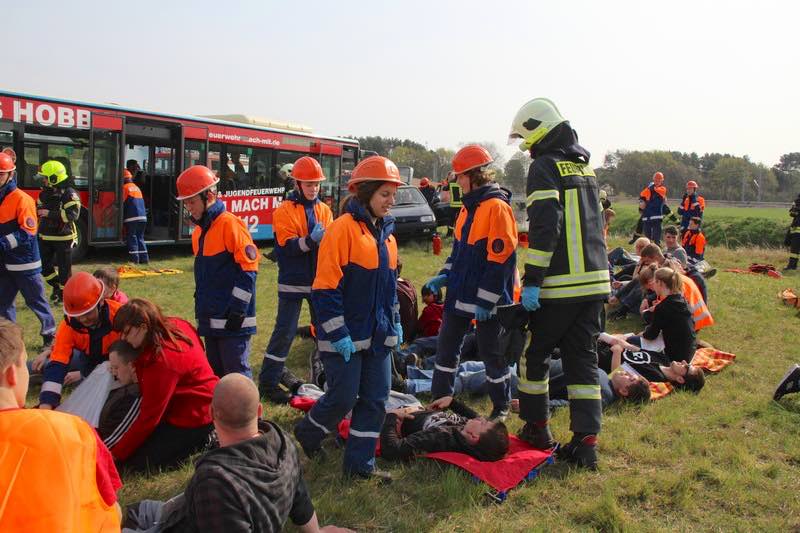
(446,425)
(252,482)
(122,404)
(176,383)
(56,474)
(110,278)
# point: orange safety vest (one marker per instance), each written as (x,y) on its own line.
(48,475)
(701,316)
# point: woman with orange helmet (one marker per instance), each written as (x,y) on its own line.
(299,225)
(134,218)
(225,269)
(479,276)
(357,317)
(652,201)
(692,205)
(86,329)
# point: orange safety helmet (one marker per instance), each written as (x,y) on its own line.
(691,183)
(10,151)
(82,293)
(424,182)
(6,163)
(470,157)
(658,175)
(194,180)
(374,168)
(126,174)
(307,169)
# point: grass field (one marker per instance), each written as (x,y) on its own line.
(726,459)
(778,214)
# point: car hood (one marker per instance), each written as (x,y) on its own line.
(411,210)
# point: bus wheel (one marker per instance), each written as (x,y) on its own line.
(80,249)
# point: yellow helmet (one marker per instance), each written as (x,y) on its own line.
(533,121)
(54,172)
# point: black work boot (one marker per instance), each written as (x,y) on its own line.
(381,476)
(290,381)
(538,435)
(56,296)
(792,264)
(581,451)
(499,413)
(275,395)
(790,383)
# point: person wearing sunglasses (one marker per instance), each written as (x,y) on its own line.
(58,207)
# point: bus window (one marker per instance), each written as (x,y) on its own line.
(105,207)
(194,153)
(282,158)
(331,167)
(260,163)
(6,134)
(71,147)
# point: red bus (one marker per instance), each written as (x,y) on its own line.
(96,142)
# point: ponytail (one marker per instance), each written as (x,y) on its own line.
(670,278)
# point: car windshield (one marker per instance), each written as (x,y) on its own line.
(408,195)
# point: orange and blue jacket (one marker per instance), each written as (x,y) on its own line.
(72,335)
(55,475)
(480,269)
(654,198)
(701,316)
(133,209)
(692,205)
(296,251)
(694,242)
(225,268)
(355,289)
(18,221)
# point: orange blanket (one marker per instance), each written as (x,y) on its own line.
(706,358)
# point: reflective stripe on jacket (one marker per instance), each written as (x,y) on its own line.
(225,268)
(64,206)
(355,289)
(701,316)
(480,268)
(293,221)
(133,209)
(654,198)
(18,221)
(692,205)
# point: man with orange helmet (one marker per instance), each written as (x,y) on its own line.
(479,276)
(134,217)
(427,190)
(652,201)
(299,225)
(20,263)
(357,317)
(692,205)
(86,329)
(225,269)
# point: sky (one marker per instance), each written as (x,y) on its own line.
(696,75)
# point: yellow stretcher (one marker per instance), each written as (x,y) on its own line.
(133,272)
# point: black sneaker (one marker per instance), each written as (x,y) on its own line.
(275,395)
(499,413)
(316,369)
(381,476)
(710,273)
(290,381)
(789,384)
(538,436)
(581,452)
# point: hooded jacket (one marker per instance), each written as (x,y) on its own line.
(294,248)
(673,320)
(567,252)
(19,248)
(355,290)
(480,269)
(254,485)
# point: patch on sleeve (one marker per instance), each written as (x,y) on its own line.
(251,252)
(30,223)
(498,245)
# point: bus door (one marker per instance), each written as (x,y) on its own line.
(104,180)
(152,155)
(195,152)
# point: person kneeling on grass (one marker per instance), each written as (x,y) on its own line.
(411,431)
(176,383)
(252,482)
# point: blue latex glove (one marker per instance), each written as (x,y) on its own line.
(317,232)
(399,328)
(482,314)
(530,298)
(345,347)
(437,282)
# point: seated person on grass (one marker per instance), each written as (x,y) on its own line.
(672,247)
(411,431)
(176,383)
(669,317)
(252,482)
(430,320)
(55,474)
(122,404)
(110,278)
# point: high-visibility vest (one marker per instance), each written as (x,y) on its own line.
(701,316)
(455,195)
(48,475)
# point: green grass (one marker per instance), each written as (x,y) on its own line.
(725,459)
(777,214)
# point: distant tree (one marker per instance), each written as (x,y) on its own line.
(787,174)
(516,173)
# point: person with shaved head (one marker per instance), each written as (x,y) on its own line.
(252,482)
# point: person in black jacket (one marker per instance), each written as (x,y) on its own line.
(793,236)
(670,317)
(410,431)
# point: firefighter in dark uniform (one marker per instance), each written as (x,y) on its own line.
(59,206)
(794,235)
(566,275)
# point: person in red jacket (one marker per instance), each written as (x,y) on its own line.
(430,320)
(176,384)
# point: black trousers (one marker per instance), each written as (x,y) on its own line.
(166,446)
(573,328)
(794,250)
(56,253)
